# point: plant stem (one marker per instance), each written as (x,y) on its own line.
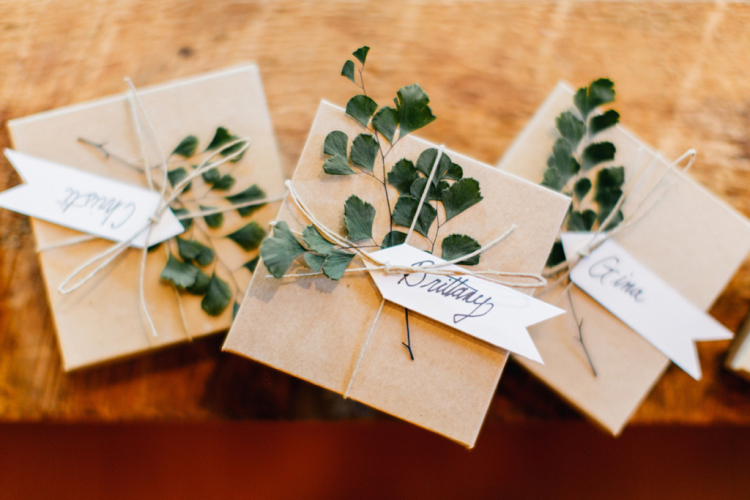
(408,336)
(580,333)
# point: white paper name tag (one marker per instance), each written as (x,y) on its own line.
(644,302)
(86,202)
(483,309)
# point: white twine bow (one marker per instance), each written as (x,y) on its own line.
(103,259)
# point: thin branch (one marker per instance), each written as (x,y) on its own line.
(580,333)
(108,154)
(408,336)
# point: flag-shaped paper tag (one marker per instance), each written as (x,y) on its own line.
(481,308)
(643,301)
(86,202)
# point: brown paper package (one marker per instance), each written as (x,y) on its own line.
(315,328)
(692,240)
(102,320)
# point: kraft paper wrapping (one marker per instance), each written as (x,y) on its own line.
(315,328)
(691,239)
(103,320)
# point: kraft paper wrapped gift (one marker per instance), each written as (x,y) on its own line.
(315,328)
(103,320)
(691,240)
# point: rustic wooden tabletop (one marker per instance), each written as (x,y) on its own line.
(683,80)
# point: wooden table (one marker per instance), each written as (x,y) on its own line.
(683,80)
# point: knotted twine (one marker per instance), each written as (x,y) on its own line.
(601,235)
(166,197)
(435,269)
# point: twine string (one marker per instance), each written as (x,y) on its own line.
(103,259)
(636,215)
(376,264)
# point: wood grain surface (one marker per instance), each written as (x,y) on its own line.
(683,81)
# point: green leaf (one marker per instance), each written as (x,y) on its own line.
(600,92)
(402,176)
(361,53)
(336,143)
(235,309)
(552,179)
(445,166)
(348,70)
(385,121)
(393,238)
(200,287)
(406,209)
(248,236)
(253,193)
(176,176)
(217,297)
(582,188)
(223,137)
(336,263)
(182,274)
(562,159)
(195,250)
(337,165)
(364,151)
(224,184)
(561,166)
(460,196)
(597,153)
(609,182)
(214,220)
(571,128)
(455,172)
(314,261)
(556,256)
(280,250)
(580,99)
(457,245)
(251,264)
(315,241)
(187,147)
(358,218)
(581,221)
(186,223)
(608,119)
(361,108)
(413,110)
(616,219)
(211,175)
(417,188)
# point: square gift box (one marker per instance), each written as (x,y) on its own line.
(103,320)
(691,239)
(317,329)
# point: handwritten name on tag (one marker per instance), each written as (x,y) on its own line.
(644,302)
(488,311)
(86,202)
